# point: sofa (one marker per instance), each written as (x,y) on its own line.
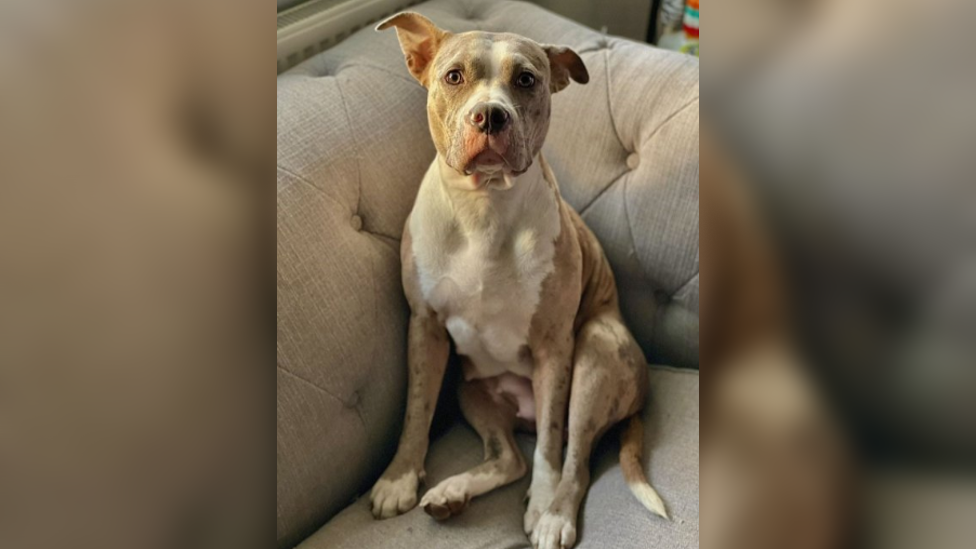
(353,146)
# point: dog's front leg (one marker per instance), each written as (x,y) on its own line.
(550,384)
(396,491)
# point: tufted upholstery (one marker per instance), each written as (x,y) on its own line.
(353,146)
(285,4)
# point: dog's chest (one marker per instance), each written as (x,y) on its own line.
(487,291)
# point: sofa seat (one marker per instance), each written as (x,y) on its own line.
(610,518)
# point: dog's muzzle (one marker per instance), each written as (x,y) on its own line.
(489,118)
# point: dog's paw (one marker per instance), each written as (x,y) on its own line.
(538,502)
(554,532)
(392,497)
(541,492)
(447,499)
(531,519)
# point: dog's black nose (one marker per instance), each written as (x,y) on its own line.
(490,118)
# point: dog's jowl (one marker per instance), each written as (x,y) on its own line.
(496,261)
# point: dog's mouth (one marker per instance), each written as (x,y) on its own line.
(487,161)
(490,156)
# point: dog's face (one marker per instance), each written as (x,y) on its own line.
(489,94)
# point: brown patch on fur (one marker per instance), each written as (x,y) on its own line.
(599,285)
(494,448)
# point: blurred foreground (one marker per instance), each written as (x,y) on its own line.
(133,411)
(852,129)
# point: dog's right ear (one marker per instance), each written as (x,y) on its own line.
(565,65)
(419,39)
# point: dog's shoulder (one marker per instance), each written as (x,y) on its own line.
(409,272)
(599,288)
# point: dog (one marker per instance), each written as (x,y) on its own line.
(774,462)
(496,261)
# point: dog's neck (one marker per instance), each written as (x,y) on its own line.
(450,209)
(498,206)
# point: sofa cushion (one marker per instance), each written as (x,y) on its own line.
(285,4)
(353,145)
(611,516)
(625,151)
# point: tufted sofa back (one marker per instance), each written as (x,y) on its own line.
(285,4)
(353,146)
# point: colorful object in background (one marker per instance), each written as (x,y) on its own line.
(683,36)
(691,20)
(691,28)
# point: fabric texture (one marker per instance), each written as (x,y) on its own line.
(285,4)
(353,145)
(611,516)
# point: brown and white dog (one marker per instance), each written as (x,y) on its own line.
(495,259)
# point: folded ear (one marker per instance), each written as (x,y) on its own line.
(565,64)
(419,40)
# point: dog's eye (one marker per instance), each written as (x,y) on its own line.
(454,77)
(525,80)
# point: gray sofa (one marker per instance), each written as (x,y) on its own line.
(353,146)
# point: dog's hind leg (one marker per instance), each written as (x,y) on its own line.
(609,385)
(493,416)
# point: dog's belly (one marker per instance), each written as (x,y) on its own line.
(497,353)
(493,346)
(516,389)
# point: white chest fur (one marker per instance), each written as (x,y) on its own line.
(482,257)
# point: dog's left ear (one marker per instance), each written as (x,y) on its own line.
(565,64)
(419,39)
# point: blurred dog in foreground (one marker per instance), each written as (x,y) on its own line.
(773,463)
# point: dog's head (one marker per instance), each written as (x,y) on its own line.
(488,100)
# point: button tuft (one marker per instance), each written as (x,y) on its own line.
(662,297)
(633,161)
